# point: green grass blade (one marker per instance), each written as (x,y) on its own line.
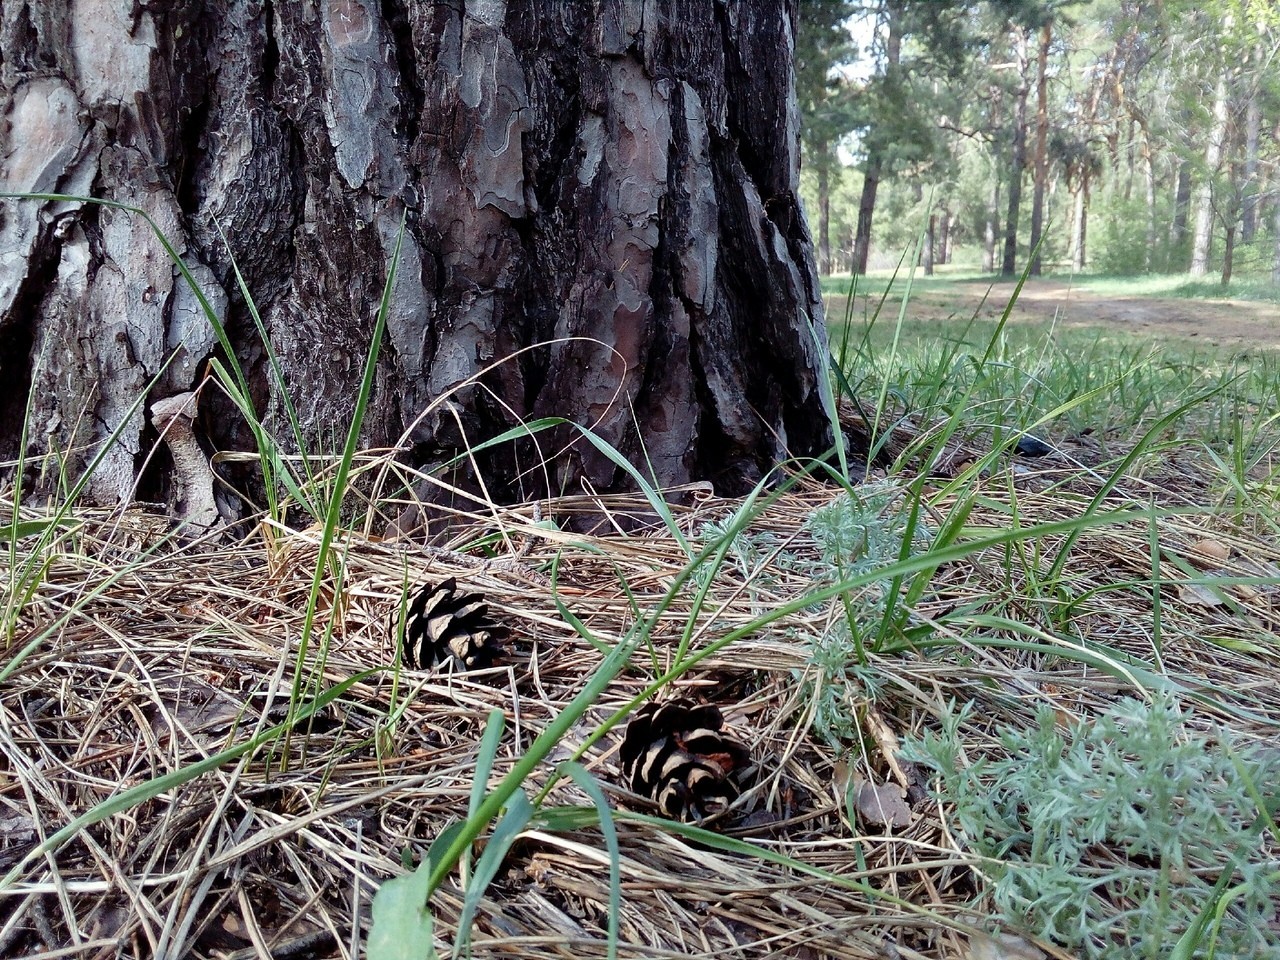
(402,925)
(652,494)
(519,811)
(21,529)
(484,758)
(344,469)
(583,778)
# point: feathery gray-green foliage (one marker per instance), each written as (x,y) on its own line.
(1171,802)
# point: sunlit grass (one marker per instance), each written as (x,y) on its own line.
(1155,286)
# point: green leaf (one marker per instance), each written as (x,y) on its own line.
(484,761)
(402,925)
(403,928)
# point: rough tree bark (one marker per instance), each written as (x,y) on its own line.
(623,171)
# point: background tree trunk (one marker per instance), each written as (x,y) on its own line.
(823,170)
(568,170)
(991,223)
(1275,261)
(1149,195)
(1080,222)
(1202,236)
(926,255)
(866,211)
(944,241)
(1228,253)
(892,13)
(1252,133)
(1040,163)
(1018,160)
(1181,206)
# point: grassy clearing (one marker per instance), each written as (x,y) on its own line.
(1176,285)
(971,648)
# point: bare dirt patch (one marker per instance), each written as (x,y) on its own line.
(1225,323)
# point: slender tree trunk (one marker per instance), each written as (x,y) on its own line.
(1073,216)
(1203,235)
(991,226)
(1275,229)
(824,212)
(944,240)
(866,210)
(926,255)
(875,157)
(1130,162)
(1228,253)
(618,186)
(1252,133)
(1040,161)
(1181,206)
(1018,162)
(1149,195)
(1079,243)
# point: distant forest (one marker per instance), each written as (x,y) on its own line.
(1118,136)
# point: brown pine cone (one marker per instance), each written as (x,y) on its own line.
(441,622)
(675,754)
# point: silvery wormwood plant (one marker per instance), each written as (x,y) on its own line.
(1111,839)
(860,532)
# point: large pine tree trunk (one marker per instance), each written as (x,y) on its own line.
(625,172)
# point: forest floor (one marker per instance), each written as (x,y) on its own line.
(210,746)
(1218,323)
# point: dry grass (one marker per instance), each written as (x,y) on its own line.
(190,649)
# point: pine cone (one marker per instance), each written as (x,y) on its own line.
(675,754)
(441,622)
